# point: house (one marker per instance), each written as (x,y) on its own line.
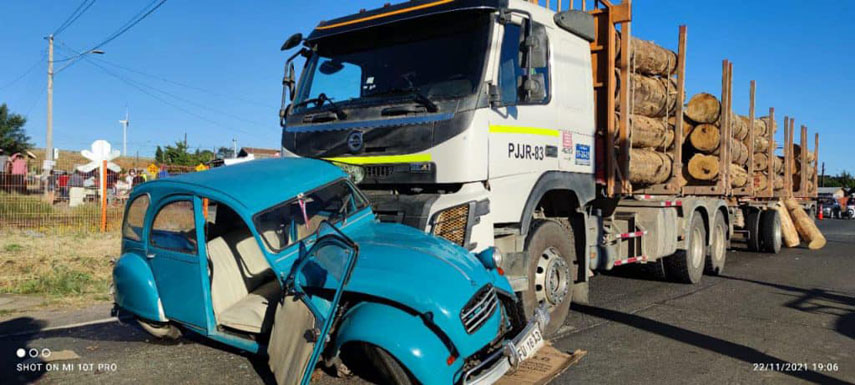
(258,153)
(830,192)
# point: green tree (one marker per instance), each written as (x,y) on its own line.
(158,155)
(12,136)
(225,153)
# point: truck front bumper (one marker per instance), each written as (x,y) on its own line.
(508,358)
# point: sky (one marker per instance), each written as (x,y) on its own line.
(212,70)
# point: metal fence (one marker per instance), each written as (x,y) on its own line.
(67,199)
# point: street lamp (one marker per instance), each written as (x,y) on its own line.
(48,164)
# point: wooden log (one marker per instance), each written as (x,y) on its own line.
(789,235)
(778,183)
(648,167)
(769,125)
(740,127)
(797,154)
(759,127)
(705,138)
(761,182)
(703,167)
(688,125)
(779,164)
(703,108)
(738,152)
(651,59)
(653,97)
(761,144)
(804,225)
(738,176)
(761,161)
(650,132)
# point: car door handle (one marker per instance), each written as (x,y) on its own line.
(150,256)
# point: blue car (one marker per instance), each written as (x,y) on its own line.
(285,258)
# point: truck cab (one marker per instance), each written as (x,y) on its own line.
(470,119)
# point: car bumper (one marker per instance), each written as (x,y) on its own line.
(508,358)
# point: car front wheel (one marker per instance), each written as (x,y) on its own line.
(160,330)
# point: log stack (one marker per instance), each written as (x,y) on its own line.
(702,149)
(652,119)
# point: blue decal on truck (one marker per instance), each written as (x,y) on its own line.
(583,154)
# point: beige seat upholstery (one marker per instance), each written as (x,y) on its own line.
(242,283)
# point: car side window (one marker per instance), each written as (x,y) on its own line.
(174,227)
(134,218)
(511,66)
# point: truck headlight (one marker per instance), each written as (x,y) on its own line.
(491,258)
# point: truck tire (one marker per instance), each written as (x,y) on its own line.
(552,270)
(165,331)
(752,224)
(770,231)
(388,368)
(687,265)
(718,247)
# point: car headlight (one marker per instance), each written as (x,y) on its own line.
(491,258)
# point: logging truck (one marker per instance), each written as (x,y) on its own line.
(479,121)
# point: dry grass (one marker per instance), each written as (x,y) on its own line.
(64,268)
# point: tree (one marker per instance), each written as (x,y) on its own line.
(12,136)
(158,155)
(225,153)
(180,155)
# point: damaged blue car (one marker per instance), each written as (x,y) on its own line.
(285,258)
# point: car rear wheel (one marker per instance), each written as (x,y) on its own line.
(551,272)
(160,330)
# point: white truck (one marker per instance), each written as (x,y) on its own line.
(480,121)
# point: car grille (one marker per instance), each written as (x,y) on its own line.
(479,309)
(451,224)
(378,171)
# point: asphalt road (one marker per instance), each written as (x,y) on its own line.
(749,326)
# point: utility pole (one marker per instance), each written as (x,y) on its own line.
(234,148)
(185,139)
(49,135)
(822,178)
(125,124)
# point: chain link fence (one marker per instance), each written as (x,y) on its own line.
(68,199)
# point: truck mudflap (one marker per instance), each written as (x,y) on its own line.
(520,348)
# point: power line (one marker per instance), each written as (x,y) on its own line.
(79,11)
(27,72)
(142,14)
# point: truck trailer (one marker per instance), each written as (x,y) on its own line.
(497,123)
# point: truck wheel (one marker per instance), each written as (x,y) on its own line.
(752,224)
(770,231)
(390,369)
(551,271)
(687,265)
(718,247)
(160,330)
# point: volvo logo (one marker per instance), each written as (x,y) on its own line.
(355,142)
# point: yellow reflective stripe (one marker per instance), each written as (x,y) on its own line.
(524,130)
(411,158)
(387,14)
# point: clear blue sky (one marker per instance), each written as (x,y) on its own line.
(227,52)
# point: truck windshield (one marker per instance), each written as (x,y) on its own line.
(440,57)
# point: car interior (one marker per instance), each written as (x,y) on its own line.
(242,283)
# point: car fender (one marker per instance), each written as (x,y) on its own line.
(404,335)
(135,288)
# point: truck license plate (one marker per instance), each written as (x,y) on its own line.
(530,344)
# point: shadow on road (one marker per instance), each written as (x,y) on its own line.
(818,301)
(713,344)
(10,349)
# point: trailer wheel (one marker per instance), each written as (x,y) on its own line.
(551,271)
(770,231)
(752,224)
(718,247)
(687,265)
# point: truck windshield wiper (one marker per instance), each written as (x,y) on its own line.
(319,102)
(414,94)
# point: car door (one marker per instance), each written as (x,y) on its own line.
(302,319)
(174,253)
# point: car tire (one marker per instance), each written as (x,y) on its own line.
(552,270)
(718,247)
(687,266)
(770,231)
(390,370)
(752,224)
(161,330)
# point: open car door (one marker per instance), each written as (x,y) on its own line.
(304,315)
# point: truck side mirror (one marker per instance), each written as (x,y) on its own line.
(289,80)
(536,45)
(535,50)
(495,96)
(292,41)
(533,88)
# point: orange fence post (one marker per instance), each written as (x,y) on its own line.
(103,196)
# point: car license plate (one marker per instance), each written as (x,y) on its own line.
(530,343)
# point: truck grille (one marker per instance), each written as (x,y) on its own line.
(378,171)
(451,224)
(479,309)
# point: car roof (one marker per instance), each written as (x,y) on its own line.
(257,184)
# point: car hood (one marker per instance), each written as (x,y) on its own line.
(417,270)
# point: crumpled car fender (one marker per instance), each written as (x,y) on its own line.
(135,289)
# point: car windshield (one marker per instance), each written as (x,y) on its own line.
(439,56)
(294,220)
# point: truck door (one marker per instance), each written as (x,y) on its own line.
(174,253)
